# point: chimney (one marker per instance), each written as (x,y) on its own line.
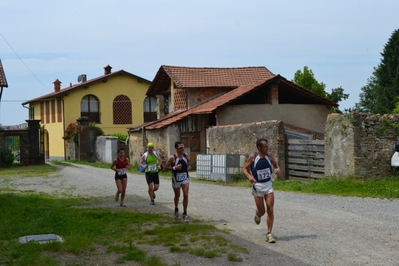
(57,85)
(107,69)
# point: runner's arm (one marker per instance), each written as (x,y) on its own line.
(141,162)
(274,163)
(169,163)
(247,165)
(113,166)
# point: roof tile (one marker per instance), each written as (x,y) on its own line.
(3,80)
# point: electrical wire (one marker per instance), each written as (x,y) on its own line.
(24,62)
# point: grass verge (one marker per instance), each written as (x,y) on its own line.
(383,187)
(27,171)
(85,229)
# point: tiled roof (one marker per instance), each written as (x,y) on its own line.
(85,84)
(3,80)
(227,97)
(208,106)
(206,77)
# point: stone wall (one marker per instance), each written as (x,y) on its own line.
(163,139)
(241,139)
(360,144)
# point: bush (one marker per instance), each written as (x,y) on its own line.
(6,158)
(120,136)
(95,129)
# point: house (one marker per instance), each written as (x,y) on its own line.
(114,102)
(190,100)
(3,80)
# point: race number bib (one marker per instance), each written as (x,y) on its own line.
(152,167)
(122,171)
(181,177)
(263,174)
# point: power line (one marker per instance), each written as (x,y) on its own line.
(23,62)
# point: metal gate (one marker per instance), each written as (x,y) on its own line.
(13,144)
(305,159)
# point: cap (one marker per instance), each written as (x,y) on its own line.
(150,144)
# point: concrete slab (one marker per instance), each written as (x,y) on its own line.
(44,238)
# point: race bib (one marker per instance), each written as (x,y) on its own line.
(181,177)
(122,171)
(263,174)
(152,167)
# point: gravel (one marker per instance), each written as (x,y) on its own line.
(309,229)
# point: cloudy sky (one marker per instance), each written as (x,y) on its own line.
(41,41)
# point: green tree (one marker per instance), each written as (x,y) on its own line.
(380,93)
(307,80)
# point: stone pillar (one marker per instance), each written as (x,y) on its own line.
(34,142)
(84,138)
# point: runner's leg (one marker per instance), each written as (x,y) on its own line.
(260,206)
(177,196)
(270,212)
(124,184)
(185,188)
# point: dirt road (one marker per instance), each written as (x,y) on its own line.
(309,229)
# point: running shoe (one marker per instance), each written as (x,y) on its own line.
(257,218)
(177,214)
(122,204)
(116,197)
(185,218)
(153,195)
(269,238)
(152,202)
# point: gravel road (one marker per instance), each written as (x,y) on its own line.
(309,229)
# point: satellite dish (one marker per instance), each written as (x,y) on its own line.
(82,78)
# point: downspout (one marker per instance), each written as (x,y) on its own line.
(142,138)
(63,126)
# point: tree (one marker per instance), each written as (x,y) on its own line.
(307,80)
(380,93)
(337,95)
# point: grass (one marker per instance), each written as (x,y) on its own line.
(383,187)
(85,229)
(27,171)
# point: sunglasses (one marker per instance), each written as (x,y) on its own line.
(181,147)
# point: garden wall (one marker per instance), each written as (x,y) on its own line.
(360,144)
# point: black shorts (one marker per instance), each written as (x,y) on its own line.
(152,177)
(120,176)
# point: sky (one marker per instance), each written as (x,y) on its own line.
(41,41)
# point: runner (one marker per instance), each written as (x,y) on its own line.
(261,179)
(151,162)
(119,165)
(179,164)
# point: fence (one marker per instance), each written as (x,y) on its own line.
(219,166)
(305,159)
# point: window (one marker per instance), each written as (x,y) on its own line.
(59,110)
(122,110)
(42,112)
(150,109)
(52,111)
(89,108)
(31,112)
(47,112)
